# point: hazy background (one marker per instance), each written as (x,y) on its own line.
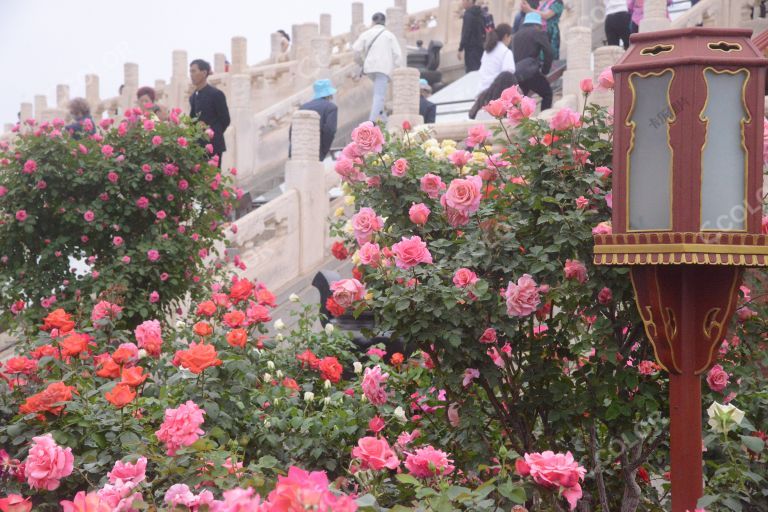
(49,42)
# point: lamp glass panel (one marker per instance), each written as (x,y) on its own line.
(724,158)
(649,164)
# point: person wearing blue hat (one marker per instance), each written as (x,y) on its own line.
(427,109)
(323,104)
(531,42)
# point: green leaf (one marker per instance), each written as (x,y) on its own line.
(754,444)
(407,479)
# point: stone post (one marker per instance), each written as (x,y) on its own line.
(579,43)
(274,46)
(41,103)
(26,112)
(239,62)
(605,57)
(320,62)
(302,53)
(130,85)
(177,93)
(325,24)
(219,63)
(306,174)
(358,23)
(92,91)
(396,25)
(161,92)
(62,96)
(405,98)
(654,16)
(236,137)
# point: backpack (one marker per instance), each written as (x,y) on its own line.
(488,23)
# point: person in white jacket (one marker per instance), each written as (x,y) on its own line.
(380,53)
(497,56)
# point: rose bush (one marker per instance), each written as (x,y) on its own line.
(128,214)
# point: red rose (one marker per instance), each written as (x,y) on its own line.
(330,369)
(207,308)
(58,319)
(234,318)
(120,396)
(339,251)
(241,290)
(333,307)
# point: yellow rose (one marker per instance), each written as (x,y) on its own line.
(349,200)
(478,157)
(339,211)
(356,258)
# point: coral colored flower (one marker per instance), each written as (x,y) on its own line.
(237,338)
(120,395)
(15,503)
(373,385)
(409,252)
(555,471)
(181,426)
(464,277)
(464,194)
(364,223)
(496,108)
(574,269)
(241,290)
(419,213)
(203,329)
(367,138)
(717,378)
(47,463)
(376,454)
(565,119)
(74,344)
(586,85)
(107,368)
(347,291)
(133,377)
(198,357)
(234,319)
(522,298)
(104,309)
(49,400)
(428,462)
(400,167)
(86,502)
(257,313)
(330,369)
(126,353)
(301,490)
(20,365)
(333,308)
(149,337)
(432,185)
(207,308)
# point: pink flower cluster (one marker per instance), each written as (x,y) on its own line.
(149,337)
(375,454)
(181,426)
(428,462)
(373,385)
(554,471)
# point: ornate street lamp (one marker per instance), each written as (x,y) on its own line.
(687,206)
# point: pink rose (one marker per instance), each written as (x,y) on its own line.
(605,80)
(419,213)
(47,463)
(181,141)
(604,228)
(149,337)
(30,166)
(609,199)
(107,150)
(511,96)
(409,252)
(557,471)
(477,135)
(126,259)
(154,297)
(375,454)
(464,277)
(365,223)
(15,503)
(347,291)
(603,172)
(428,462)
(86,502)
(142,202)
(574,269)
(400,167)
(470,374)
(179,494)
(89,216)
(524,111)
(565,119)
(181,426)
(3,191)
(370,254)
(488,336)
(605,296)
(717,378)
(373,385)
(21,215)
(586,85)
(112,176)
(153,255)
(582,202)
(128,472)
(367,138)
(496,108)
(522,298)
(464,194)
(432,185)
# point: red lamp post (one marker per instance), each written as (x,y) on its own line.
(687,206)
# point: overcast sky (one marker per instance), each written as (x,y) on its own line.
(48,42)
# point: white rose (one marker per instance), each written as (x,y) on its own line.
(329,328)
(724,418)
(279,324)
(267,377)
(279,374)
(270,365)
(294,298)
(309,396)
(399,413)
(327,400)
(327,384)
(358,367)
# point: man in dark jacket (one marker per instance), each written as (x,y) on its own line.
(531,41)
(427,109)
(209,105)
(329,113)
(472,35)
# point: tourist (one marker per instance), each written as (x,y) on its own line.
(323,104)
(636,8)
(497,56)
(209,105)
(285,41)
(145,98)
(378,51)
(82,123)
(550,12)
(472,35)
(534,4)
(530,43)
(427,109)
(617,21)
(503,81)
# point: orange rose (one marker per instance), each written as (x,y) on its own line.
(203,329)
(241,290)
(108,368)
(397,359)
(330,369)
(120,395)
(58,319)
(198,357)
(47,400)
(75,344)
(237,337)
(134,377)
(207,308)
(266,298)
